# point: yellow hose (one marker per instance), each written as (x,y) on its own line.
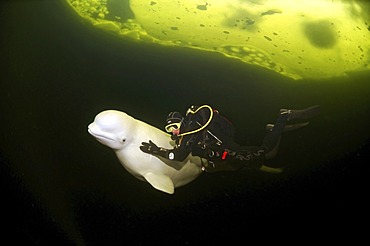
(204,126)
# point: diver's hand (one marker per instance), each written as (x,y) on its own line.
(150,148)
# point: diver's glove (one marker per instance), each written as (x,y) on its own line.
(150,148)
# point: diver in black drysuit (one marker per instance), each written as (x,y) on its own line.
(205,133)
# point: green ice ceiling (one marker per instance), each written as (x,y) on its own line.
(297,38)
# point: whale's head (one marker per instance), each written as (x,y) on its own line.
(112,128)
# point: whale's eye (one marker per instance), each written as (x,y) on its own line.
(123,140)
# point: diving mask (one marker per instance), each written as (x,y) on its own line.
(174,120)
(172,126)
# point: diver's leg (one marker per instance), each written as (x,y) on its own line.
(272,138)
(273,152)
(251,157)
(221,165)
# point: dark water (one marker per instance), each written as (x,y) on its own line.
(61,186)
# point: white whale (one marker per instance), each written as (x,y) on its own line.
(124,134)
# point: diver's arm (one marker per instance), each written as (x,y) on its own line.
(177,154)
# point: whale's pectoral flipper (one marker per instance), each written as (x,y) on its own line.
(160,182)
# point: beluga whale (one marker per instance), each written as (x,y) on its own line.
(124,135)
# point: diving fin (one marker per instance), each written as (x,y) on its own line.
(271,169)
(288,127)
(301,114)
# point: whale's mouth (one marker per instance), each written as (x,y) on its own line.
(100,136)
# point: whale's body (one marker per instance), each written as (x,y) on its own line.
(124,134)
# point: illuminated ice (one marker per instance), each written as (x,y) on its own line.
(296,38)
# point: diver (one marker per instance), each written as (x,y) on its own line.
(205,133)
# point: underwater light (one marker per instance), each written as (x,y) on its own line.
(296,38)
